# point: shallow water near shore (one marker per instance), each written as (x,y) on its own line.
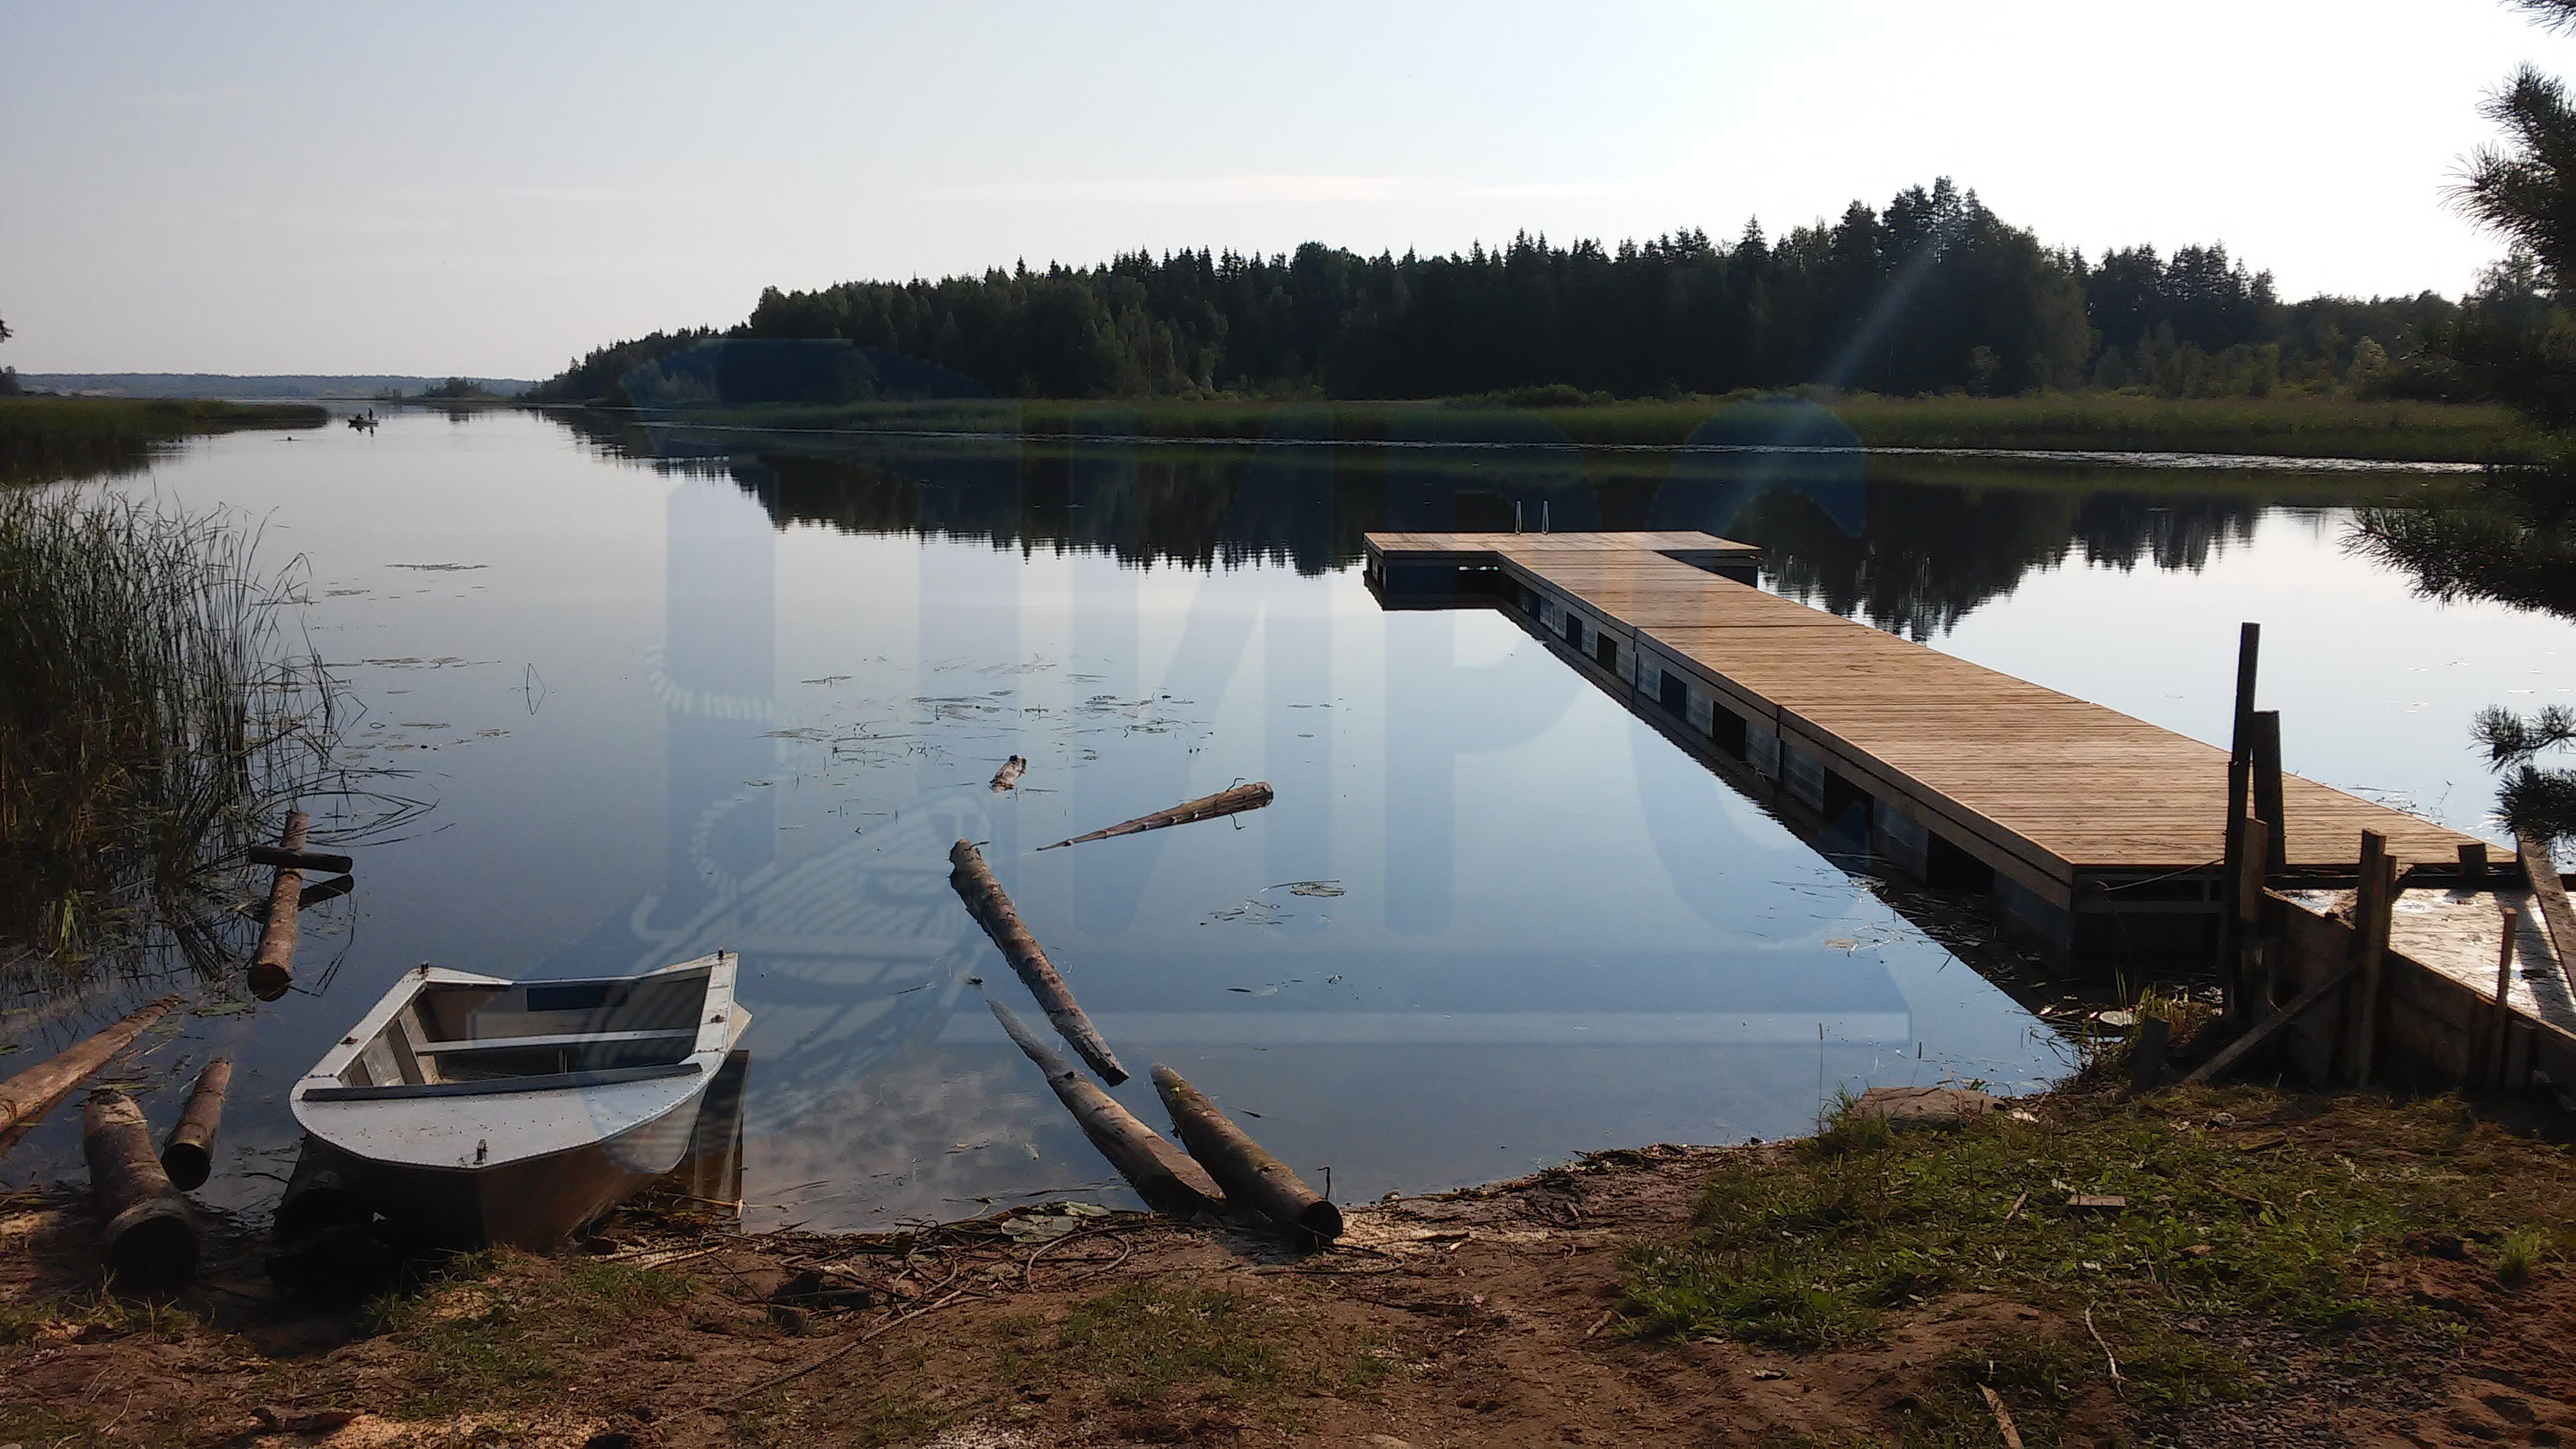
(677,693)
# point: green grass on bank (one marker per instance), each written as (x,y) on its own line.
(2103,422)
(43,438)
(2248,1214)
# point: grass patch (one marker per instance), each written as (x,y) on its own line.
(488,1329)
(43,438)
(1146,1338)
(2240,1205)
(94,1313)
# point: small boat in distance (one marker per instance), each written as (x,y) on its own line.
(470,1110)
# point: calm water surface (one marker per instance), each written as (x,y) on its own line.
(742,699)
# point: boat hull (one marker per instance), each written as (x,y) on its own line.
(533,1203)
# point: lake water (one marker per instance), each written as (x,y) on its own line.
(672,693)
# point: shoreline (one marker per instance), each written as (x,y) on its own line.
(2088,426)
(1525,1310)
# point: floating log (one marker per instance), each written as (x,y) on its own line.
(1008,777)
(320,891)
(149,1237)
(974,884)
(1206,807)
(1167,1180)
(33,1092)
(272,969)
(1250,1176)
(189,1155)
(318,860)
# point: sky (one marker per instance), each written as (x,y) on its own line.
(492,190)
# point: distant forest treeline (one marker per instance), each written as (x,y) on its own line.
(1932,294)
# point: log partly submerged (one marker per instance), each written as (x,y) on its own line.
(1167,1180)
(1206,807)
(189,1155)
(974,884)
(1250,1176)
(1008,777)
(272,970)
(33,1092)
(150,1239)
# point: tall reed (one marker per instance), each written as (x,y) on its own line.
(156,717)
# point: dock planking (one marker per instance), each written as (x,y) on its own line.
(2064,797)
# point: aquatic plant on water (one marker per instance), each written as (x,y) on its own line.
(158,713)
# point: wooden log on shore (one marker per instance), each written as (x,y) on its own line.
(1162,1175)
(33,1092)
(973,881)
(189,1154)
(150,1239)
(272,969)
(1008,777)
(1250,1176)
(1207,807)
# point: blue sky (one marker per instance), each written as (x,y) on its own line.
(491,189)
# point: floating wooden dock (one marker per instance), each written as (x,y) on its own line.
(2099,833)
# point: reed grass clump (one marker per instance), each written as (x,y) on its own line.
(155,718)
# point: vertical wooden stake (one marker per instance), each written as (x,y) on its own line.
(2231,950)
(2267,788)
(2504,988)
(2550,895)
(272,970)
(2371,906)
(2253,962)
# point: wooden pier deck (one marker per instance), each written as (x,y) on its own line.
(2075,807)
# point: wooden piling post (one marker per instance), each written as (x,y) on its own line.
(2372,902)
(189,1155)
(2267,788)
(2254,958)
(2549,893)
(32,1093)
(973,881)
(272,969)
(2473,862)
(1167,1180)
(150,1240)
(2231,950)
(2504,987)
(1250,1176)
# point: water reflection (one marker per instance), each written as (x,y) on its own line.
(1910,544)
(778,673)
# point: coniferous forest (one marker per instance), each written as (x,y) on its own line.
(1932,293)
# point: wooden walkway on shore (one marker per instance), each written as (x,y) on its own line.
(2049,791)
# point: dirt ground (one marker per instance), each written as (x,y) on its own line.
(1492,1316)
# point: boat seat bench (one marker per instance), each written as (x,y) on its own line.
(546,1082)
(516,1043)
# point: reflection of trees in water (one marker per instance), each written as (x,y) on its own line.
(1933,542)
(2510,539)
(1928,553)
